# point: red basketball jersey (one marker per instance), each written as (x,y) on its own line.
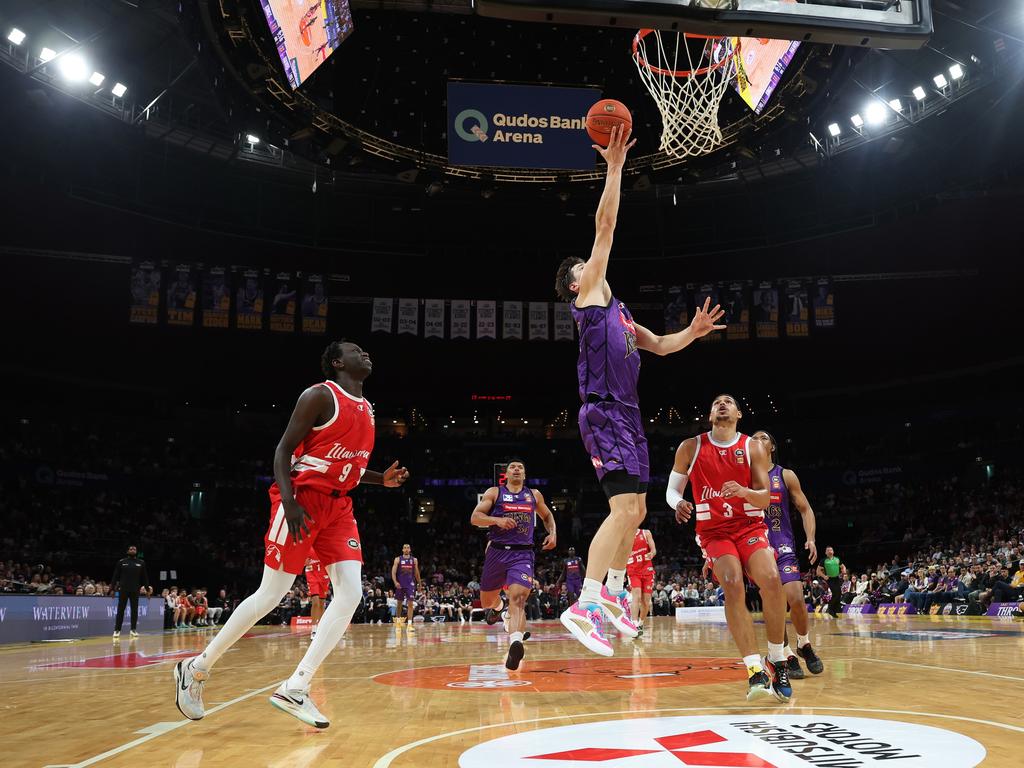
(713,465)
(314,570)
(332,457)
(638,562)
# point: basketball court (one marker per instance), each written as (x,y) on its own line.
(920,691)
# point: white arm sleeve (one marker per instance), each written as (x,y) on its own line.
(674,491)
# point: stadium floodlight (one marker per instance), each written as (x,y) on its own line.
(896,105)
(119,90)
(875,113)
(834,129)
(919,93)
(46,54)
(97,79)
(252,139)
(16,36)
(73,67)
(940,80)
(956,71)
(857,121)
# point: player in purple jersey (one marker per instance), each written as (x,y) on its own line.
(610,423)
(405,573)
(783,487)
(509,513)
(572,575)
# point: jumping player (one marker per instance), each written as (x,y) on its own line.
(729,473)
(641,576)
(609,419)
(321,457)
(405,573)
(573,572)
(509,512)
(319,583)
(784,486)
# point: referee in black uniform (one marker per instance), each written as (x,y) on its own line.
(129,576)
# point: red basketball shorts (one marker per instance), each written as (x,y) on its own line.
(333,534)
(644,581)
(740,541)
(317,586)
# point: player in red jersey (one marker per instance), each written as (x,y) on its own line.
(321,457)
(729,475)
(641,576)
(319,584)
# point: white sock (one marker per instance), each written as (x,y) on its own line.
(257,605)
(615,580)
(788,651)
(752,662)
(515,636)
(591,591)
(775,652)
(346,577)
(802,640)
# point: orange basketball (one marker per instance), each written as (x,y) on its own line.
(604,116)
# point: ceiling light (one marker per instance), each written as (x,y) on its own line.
(16,36)
(919,93)
(46,54)
(97,79)
(875,113)
(896,105)
(940,80)
(252,139)
(857,121)
(73,67)
(834,129)
(119,90)
(956,71)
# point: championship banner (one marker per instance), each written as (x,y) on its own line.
(249,300)
(797,309)
(512,320)
(282,309)
(766,311)
(486,323)
(216,301)
(314,303)
(824,304)
(563,322)
(460,318)
(706,291)
(144,295)
(433,318)
(736,303)
(539,320)
(383,315)
(677,308)
(409,316)
(520,126)
(180,304)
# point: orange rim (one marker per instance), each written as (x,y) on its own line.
(677,72)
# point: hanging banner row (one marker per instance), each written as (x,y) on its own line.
(246,298)
(519,320)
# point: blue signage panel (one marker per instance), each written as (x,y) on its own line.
(520,126)
(25,618)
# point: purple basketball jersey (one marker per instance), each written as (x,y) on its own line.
(609,362)
(780,529)
(521,507)
(573,572)
(406,571)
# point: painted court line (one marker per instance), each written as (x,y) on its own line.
(948,669)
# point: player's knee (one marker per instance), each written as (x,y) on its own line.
(769,583)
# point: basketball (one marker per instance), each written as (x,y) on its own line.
(605,115)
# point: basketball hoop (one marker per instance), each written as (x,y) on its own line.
(688,98)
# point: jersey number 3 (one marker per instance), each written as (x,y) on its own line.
(728,509)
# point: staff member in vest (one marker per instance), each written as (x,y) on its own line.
(829,569)
(129,577)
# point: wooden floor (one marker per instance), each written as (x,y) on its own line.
(947,690)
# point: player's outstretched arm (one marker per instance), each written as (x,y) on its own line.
(705,320)
(392,477)
(803,506)
(678,478)
(481,517)
(546,517)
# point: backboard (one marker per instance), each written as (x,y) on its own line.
(861,23)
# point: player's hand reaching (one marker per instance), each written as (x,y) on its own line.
(296,517)
(550,542)
(705,570)
(732,488)
(705,319)
(394,476)
(812,551)
(683,511)
(505,523)
(618,145)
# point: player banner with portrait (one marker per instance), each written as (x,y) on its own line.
(766,311)
(144,293)
(382,319)
(460,318)
(409,316)
(486,322)
(248,298)
(539,321)
(708,291)
(216,298)
(677,308)
(433,318)
(797,309)
(282,305)
(823,303)
(512,320)
(314,303)
(180,300)
(563,322)
(736,303)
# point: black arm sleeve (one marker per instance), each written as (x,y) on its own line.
(116,577)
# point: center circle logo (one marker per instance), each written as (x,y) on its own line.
(767,741)
(481,124)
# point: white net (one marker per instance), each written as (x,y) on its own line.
(687,76)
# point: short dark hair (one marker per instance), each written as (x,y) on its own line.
(332,353)
(563,277)
(775,447)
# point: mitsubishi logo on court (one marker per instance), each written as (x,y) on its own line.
(678,745)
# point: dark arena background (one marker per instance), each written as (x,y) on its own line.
(199,196)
